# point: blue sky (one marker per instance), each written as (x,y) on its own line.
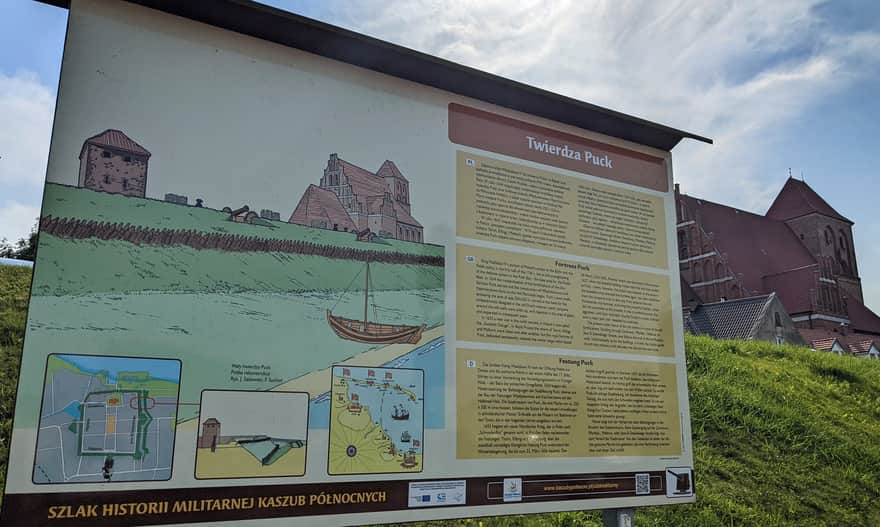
(778,85)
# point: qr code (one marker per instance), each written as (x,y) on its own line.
(643,484)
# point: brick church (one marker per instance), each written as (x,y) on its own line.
(801,251)
(351,198)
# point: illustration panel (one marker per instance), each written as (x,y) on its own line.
(252,434)
(107,419)
(376,421)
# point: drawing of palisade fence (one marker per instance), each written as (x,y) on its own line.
(73,228)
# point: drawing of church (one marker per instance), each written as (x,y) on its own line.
(352,199)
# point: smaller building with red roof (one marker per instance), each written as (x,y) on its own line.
(112,162)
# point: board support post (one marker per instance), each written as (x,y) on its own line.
(619,518)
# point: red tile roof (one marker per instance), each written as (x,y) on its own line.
(317,202)
(860,347)
(825,344)
(115,139)
(766,252)
(823,340)
(797,199)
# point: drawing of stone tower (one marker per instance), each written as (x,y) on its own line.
(210,433)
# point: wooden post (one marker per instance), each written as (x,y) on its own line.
(619,518)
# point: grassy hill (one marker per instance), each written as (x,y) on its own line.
(15,283)
(76,266)
(783,436)
(62,201)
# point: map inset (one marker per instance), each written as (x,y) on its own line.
(376,420)
(107,419)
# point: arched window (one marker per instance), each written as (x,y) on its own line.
(707,270)
(777,319)
(829,236)
(682,245)
(844,252)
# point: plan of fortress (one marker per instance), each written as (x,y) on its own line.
(113,424)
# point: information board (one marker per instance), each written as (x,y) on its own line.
(276,287)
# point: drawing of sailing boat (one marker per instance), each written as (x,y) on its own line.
(373,332)
(400,413)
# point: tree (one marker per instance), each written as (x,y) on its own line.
(23,249)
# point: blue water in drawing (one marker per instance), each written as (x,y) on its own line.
(163,369)
(383,401)
(429,358)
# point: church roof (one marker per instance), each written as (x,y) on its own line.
(732,319)
(798,199)
(763,251)
(363,182)
(405,217)
(115,139)
(388,168)
(321,203)
(861,318)
(370,188)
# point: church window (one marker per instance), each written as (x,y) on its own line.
(844,253)
(707,270)
(777,319)
(682,245)
(106,179)
(829,236)
(105,154)
(127,159)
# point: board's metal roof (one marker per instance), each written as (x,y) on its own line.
(288,29)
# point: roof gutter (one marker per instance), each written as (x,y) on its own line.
(296,31)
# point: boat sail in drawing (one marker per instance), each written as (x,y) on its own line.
(372,332)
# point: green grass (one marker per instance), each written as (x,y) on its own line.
(783,436)
(15,284)
(63,201)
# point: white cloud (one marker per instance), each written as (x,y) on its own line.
(26,108)
(736,71)
(16,220)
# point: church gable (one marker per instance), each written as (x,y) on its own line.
(798,199)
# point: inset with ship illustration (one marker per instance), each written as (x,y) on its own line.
(252,434)
(376,421)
